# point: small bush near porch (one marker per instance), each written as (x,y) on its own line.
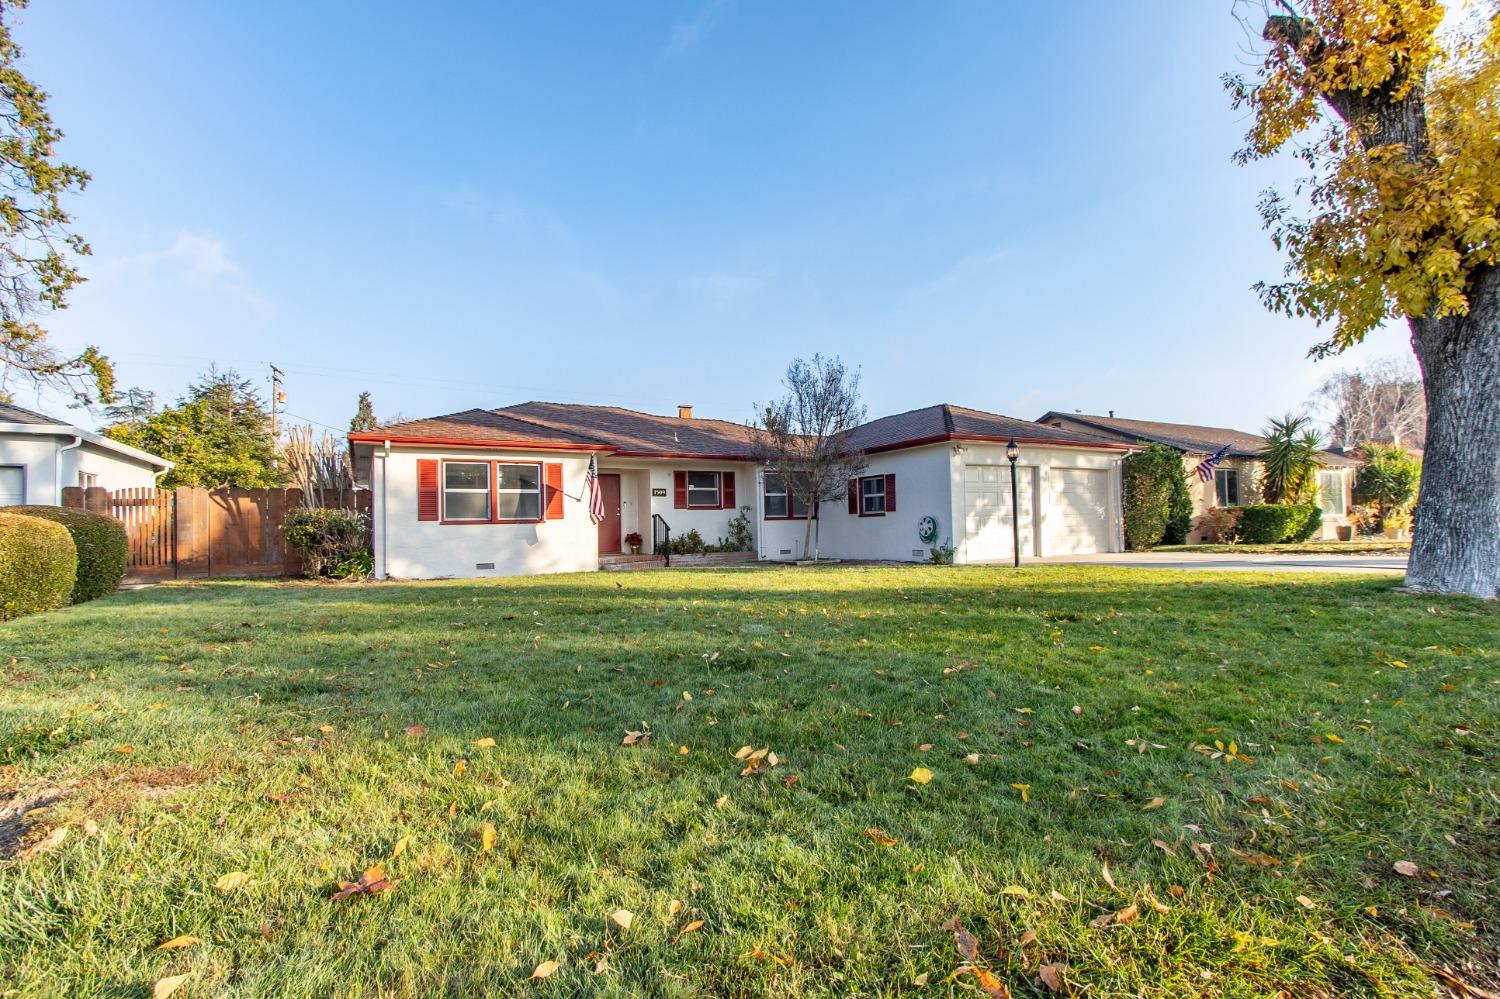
(1069,780)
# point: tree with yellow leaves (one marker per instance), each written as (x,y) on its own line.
(1394,108)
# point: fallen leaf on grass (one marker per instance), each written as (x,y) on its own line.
(1119,917)
(400,847)
(622,918)
(1051,975)
(232,880)
(634,737)
(415,731)
(48,842)
(721,801)
(1154,804)
(460,768)
(544,970)
(879,836)
(1015,891)
(487,838)
(692,927)
(964,942)
(325,729)
(1406,868)
(487,742)
(126,750)
(372,882)
(972,759)
(992,986)
(176,943)
(1109,878)
(673,908)
(756,953)
(1258,859)
(1306,902)
(166,986)
(1025,790)
(921,775)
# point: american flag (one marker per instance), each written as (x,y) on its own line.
(1206,467)
(596,498)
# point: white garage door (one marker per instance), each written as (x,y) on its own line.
(1077,517)
(12,485)
(987,525)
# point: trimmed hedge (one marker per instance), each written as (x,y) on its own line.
(1273,523)
(101,543)
(38,565)
(1157,503)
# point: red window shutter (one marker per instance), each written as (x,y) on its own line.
(854,496)
(554,490)
(726,491)
(890,493)
(679,490)
(427,489)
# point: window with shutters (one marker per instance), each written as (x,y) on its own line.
(872,496)
(518,491)
(783,503)
(466,490)
(703,490)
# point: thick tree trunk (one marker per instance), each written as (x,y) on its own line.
(1456,536)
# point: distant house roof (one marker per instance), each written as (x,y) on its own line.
(1185,437)
(630,433)
(19,420)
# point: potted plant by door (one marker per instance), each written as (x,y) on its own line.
(633,540)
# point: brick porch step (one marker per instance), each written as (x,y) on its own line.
(618,563)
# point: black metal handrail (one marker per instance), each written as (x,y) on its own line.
(661,538)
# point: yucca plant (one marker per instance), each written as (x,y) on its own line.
(1290,460)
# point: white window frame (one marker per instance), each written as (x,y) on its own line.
(717,488)
(489,484)
(500,491)
(866,495)
(1324,493)
(785,494)
(1221,492)
(23,470)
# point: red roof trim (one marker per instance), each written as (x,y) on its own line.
(472,442)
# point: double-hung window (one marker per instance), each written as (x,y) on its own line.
(784,503)
(872,496)
(518,491)
(1331,493)
(1227,486)
(703,490)
(466,490)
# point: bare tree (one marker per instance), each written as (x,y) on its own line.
(804,440)
(1381,402)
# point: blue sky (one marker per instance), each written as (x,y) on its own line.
(651,203)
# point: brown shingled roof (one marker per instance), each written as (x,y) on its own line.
(1184,437)
(571,426)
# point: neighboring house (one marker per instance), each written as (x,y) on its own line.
(502,491)
(40,456)
(1236,480)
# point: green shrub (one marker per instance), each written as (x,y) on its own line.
(330,540)
(688,543)
(1387,482)
(1311,524)
(1156,497)
(38,565)
(1220,525)
(102,545)
(1274,523)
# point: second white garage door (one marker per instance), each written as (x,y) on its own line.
(1077,514)
(987,526)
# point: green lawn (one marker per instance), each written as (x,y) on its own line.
(1359,546)
(183,733)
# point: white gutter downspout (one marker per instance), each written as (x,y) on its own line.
(58,495)
(385,468)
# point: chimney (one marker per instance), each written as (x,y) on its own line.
(1111,414)
(684,411)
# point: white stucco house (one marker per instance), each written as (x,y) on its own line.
(40,456)
(503,491)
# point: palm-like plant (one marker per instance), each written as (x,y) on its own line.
(1290,460)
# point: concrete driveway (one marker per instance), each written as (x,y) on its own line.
(1237,563)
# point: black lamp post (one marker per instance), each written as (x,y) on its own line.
(1012,452)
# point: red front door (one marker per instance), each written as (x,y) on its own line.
(609,527)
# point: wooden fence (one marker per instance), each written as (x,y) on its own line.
(192,533)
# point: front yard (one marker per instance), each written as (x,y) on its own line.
(1172,784)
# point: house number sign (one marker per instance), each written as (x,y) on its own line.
(658,492)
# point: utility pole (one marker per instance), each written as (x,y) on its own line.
(277,397)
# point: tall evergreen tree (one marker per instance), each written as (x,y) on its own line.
(364,416)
